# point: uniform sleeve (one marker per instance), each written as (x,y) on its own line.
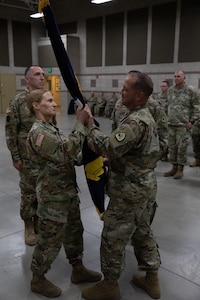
(55,147)
(195,112)
(12,126)
(121,141)
(162,127)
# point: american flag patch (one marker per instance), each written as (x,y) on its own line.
(39,140)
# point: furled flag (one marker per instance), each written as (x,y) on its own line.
(93,164)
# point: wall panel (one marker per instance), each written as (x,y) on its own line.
(163,33)
(189,42)
(114,40)
(94,42)
(22,44)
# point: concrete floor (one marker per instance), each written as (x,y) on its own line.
(176,226)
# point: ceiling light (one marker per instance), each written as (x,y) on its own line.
(100,1)
(37,15)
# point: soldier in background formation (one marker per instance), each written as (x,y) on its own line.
(54,156)
(162,99)
(183,112)
(100,104)
(196,143)
(110,105)
(91,101)
(18,124)
(160,118)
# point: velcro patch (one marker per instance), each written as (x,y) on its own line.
(39,140)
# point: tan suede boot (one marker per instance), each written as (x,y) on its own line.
(40,285)
(195,163)
(29,234)
(103,290)
(179,173)
(172,172)
(149,283)
(81,274)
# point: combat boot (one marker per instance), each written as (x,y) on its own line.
(29,234)
(179,173)
(81,274)
(149,283)
(42,286)
(172,172)
(195,163)
(103,290)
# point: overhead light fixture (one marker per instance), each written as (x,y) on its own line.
(100,1)
(37,15)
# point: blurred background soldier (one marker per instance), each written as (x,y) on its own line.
(18,124)
(110,104)
(100,105)
(183,111)
(91,101)
(160,118)
(162,99)
(118,113)
(196,143)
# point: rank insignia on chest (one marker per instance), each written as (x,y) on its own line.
(39,140)
(120,136)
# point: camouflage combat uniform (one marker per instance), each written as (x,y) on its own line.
(196,139)
(18,124)
(162,99)
(58,201)
(183,107)
(132,150)
(160,117)
(118,113)
(99,107)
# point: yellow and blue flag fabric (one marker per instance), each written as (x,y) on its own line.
(93,164)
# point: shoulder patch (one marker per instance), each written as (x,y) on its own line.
(39,140)
(120,136)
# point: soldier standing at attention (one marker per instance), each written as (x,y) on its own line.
(57,193)
(18,124)
(162,97)
(183,111)
(132,151)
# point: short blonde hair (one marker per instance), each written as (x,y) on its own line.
(34,96)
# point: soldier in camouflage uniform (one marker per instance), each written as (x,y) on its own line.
(92,102)
(110,104)
(160,117)
(158,114)
(118,113)
(18,124)
(57,194)
(100,105)
(183,111)
(132,151)
(162,99)
(196,143)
